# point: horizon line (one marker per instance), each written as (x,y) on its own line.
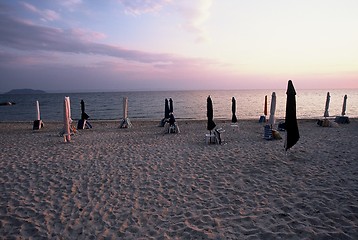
(164,90)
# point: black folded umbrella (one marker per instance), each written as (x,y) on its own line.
(171,119)
(292,133)
(84,115)
(166,109)
(170,105)
(210,114)
(233,108)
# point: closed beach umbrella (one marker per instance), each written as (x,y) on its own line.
(292,133)
(233,109)
(37,123)
(166,109)
(125,123)
(272,109)
(38,117)
(170,105)
(210,114)
(125,108)
(84,115)
(344,105)
(82,106)
(69,108)
(265,106)
(326,113)
(67,119)
(171,119)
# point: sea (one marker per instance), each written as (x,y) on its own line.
(149,105)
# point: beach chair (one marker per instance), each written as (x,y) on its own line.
(218,135)
(281,126)
(210,138)
(172,126)
(268,132)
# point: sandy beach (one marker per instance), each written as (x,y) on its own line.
(140,183)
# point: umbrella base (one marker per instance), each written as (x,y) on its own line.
(235,126)
(262,119)
(342,119)
(327,123)
(125,123)
(83,124)
(38,124)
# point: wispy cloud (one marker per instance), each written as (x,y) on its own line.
(70,3)
(195,14)
(13,60)
(19,35)
(45,15)
(87,35)
(137,7)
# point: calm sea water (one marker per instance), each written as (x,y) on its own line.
(187,104)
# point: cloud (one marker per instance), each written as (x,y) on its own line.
(87,35)
(13,59)
(19,35)
(70,3)
(137,7)
(23,36)
(46,15)
(7,58)
(195,13)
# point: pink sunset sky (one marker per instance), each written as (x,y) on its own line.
(121,45)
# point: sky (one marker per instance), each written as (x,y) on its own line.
(129,45)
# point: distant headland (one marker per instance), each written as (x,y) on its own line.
(25,91)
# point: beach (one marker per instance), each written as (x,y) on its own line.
(142,183)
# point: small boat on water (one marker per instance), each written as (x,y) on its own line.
(7,103)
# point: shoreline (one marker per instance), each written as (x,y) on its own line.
(141,183)
(182,120)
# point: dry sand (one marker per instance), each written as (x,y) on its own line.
(140,183)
